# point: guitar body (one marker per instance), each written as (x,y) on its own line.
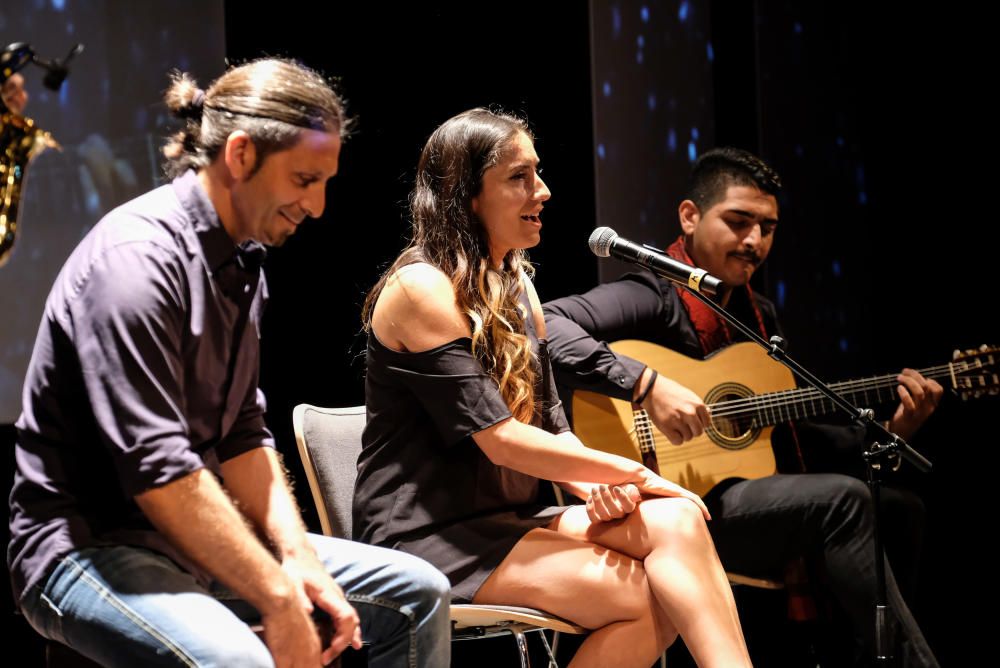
(727,449)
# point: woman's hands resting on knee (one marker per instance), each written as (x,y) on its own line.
(606,503)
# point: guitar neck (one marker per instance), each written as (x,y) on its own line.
(776,407)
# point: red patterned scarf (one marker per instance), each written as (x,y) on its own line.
(713,332)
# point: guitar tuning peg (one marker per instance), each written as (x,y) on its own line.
(984,347)
(956,354)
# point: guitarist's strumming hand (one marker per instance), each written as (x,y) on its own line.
(918,397)
(676,411)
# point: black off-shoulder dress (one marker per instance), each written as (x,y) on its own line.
(423,485)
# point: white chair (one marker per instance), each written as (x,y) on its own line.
(329,441)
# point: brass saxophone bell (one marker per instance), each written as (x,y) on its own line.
(20,141)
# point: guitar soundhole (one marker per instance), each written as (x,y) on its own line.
(733,427)
(730,428)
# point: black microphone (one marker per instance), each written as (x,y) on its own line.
(57,70)
(605,242)
(54,78)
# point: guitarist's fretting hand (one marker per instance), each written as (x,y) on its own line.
(676,411)
(918,397)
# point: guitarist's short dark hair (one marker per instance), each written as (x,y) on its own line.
(715,170)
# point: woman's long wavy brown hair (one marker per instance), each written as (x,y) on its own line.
(448,235)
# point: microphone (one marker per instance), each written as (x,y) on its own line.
(57,70)
(605,242)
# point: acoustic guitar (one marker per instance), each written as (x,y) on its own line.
(747,393)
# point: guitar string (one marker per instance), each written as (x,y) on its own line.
(773,402)
(801,396)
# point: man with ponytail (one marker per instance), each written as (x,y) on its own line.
(151,518)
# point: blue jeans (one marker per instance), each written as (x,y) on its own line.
(128,606)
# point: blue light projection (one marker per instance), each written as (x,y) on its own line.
(653,89)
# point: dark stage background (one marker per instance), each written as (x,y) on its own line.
(884,258)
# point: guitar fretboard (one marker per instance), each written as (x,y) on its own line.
(773,408)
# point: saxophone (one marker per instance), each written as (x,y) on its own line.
(20,141)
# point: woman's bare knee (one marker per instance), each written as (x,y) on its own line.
(673,517)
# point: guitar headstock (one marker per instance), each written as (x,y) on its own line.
(974,372)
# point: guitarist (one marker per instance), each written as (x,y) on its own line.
(728,222)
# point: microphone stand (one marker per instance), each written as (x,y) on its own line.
(886,444)
(17,55)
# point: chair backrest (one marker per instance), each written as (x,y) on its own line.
(329,441)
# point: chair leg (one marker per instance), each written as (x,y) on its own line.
(522,647)
(550,650)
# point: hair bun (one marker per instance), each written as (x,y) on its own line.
(193,109)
